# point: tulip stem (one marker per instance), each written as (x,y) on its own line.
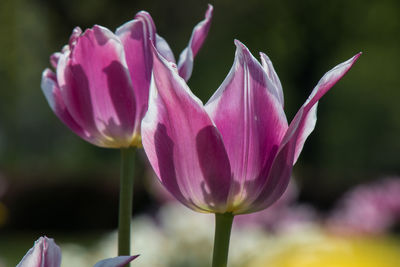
(125,201)
(223,226)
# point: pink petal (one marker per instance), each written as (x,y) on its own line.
(44,253)
(120,261)
(95,84)
(53,95)
(136,36)
(183,146)
(290,148)
(199,34)
(248,113)
(274,180)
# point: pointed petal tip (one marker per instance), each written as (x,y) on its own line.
(263,55)
(209,11)
(97,27)
(242,50)
(347,65)
(237,42)
(116,261)
(350,62)
(144,15)
(143,12)
(134,257)
(76,31)
(357,56)
(47,72)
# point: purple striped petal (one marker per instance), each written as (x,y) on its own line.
(183,146)
(199,34)
(248,113)
(44,253)
(53,95)
(290,148)
(120,261)
(96,86)
(136,36)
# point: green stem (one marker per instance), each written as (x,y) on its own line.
(125,201)
(223,226)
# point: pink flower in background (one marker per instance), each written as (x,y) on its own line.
(236,153)
(370,208)
(101,85)
(46,253)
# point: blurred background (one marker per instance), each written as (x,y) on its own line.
(54,183)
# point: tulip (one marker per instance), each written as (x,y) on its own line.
(233,155)
(46,253)
(101,86)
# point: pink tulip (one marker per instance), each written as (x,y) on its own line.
(101,85)
(235,153)
(46,253)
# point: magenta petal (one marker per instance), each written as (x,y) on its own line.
(327,81)
(136,36)
(290,148)
(183,146)
(276,178)
(250,118)
(44,253)
(120,261)
(96,86)
(199,34)
(53,95)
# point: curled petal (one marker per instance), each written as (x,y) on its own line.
(120,261)
(44,253)
(290,148)
(95,84)
(247,111)
(199,34)
(183,146)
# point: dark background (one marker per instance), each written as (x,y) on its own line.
(50,180)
